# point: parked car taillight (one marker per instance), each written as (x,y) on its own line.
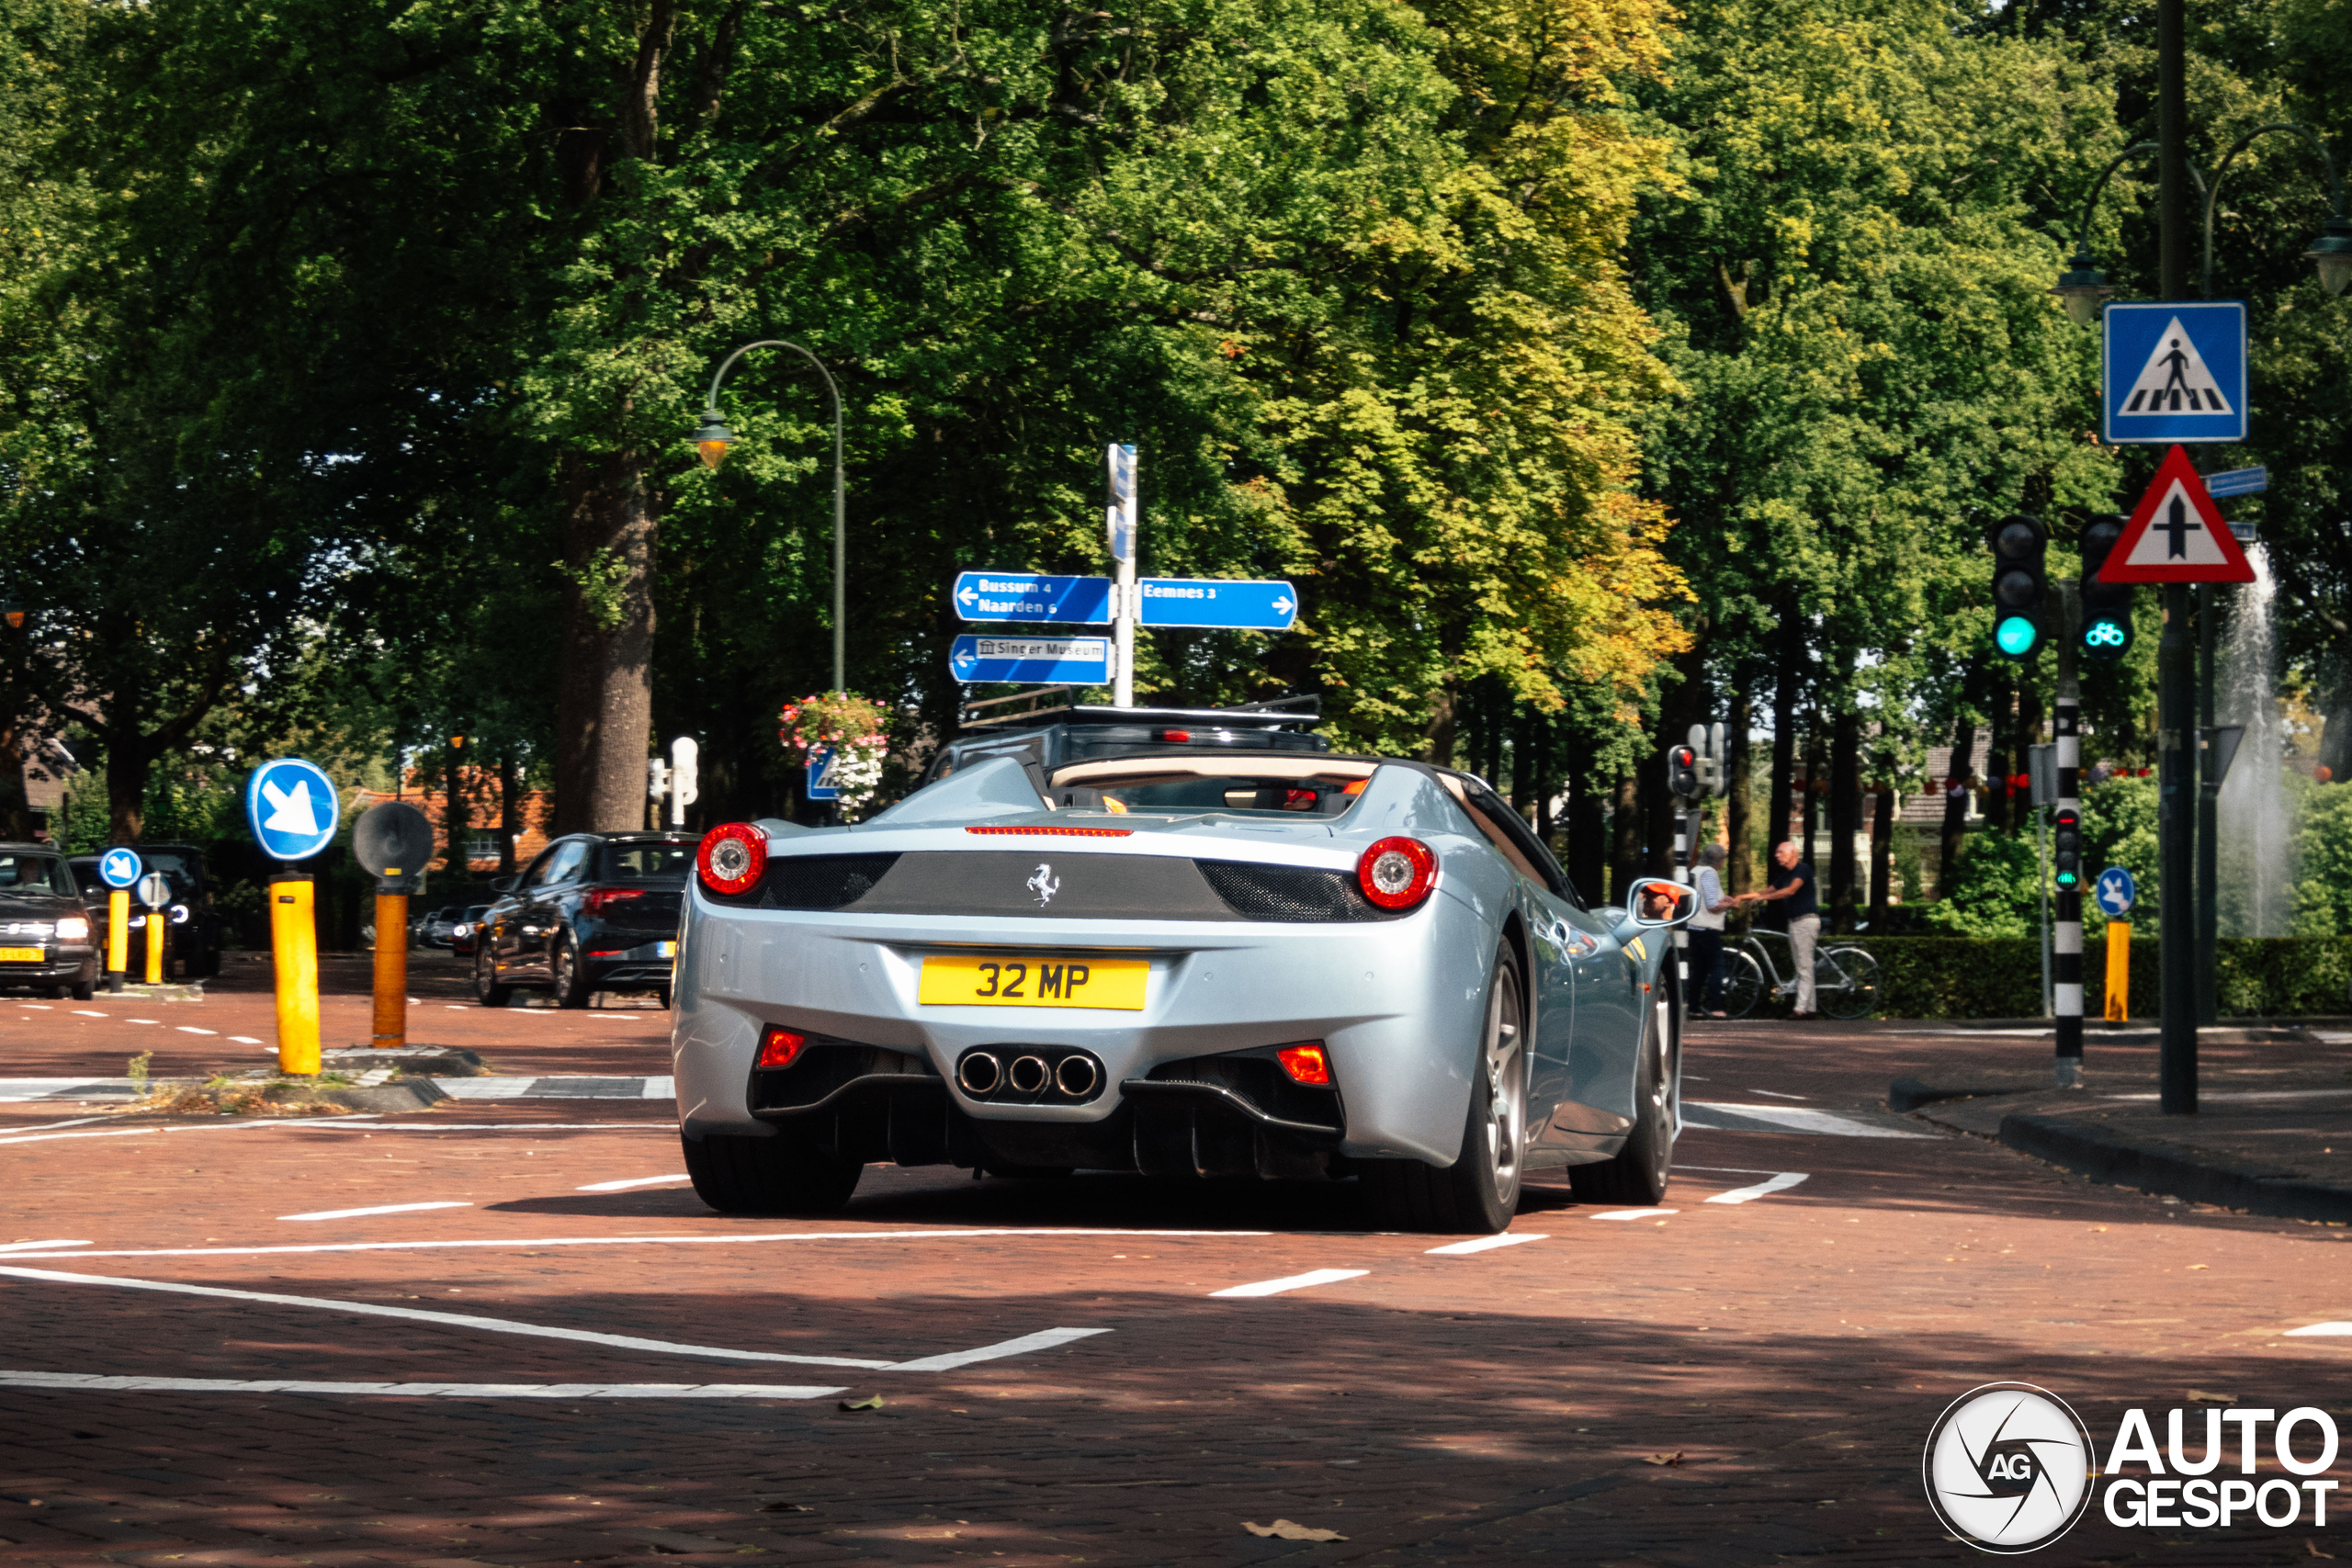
(1397,873)
(603,899)
(732,858)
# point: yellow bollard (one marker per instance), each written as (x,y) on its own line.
(2119,972)
(118,937)
(391,971)
(294,942)
(154,947)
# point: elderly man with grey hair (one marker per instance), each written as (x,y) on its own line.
(1706,929)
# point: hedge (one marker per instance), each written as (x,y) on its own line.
(1935,976)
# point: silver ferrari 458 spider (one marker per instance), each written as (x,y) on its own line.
(1181,942)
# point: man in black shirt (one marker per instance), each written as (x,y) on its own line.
(1793,881)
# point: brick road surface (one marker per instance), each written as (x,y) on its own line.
(1503,1405)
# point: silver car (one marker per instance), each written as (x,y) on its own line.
(1190,959)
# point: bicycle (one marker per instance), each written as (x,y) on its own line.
(1845,979)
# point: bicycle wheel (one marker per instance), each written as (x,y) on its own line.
(1743,983)
(1849,989)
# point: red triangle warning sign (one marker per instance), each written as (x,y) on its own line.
(2176,535)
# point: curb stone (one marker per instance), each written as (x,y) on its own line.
(2104,1156)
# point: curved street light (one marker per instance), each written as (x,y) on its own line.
(713,439)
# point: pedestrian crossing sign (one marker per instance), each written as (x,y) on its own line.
(2176,535)
(2174,370)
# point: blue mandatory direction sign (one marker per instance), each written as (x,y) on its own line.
(1078,660)
(2174,370)
(119,867)
(1033,596)
(821,782)
(293,807)
(2114,892)
(1231,604)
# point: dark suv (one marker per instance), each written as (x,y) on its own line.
(594,912)
(48,940)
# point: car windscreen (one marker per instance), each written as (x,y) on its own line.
(653,861)
(1289,794)
(35,874)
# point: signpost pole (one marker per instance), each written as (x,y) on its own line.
(2066,961)
(1124,513)
(2208,790)
(118,937)
(2176,656)
(156,926)
(294,944)
(294,809)
(390,1032)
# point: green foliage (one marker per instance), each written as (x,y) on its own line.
(1995,890)
(2119,828)
(2001,976)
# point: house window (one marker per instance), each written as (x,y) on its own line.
(482,846)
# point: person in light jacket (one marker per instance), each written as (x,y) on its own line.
(1706,929)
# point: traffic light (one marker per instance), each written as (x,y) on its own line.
(1682,772)
(2106,606)
(2020,584)
(2066,849)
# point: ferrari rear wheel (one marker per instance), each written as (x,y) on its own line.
(1636,1175)
(781,1175)
(1479,1191)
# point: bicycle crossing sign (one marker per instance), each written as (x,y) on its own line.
(2173,370)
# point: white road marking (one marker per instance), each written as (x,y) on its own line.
(358,1124)
(2320,1330)
(1044,1340)
(244,1040)
(1775,1094)
(86,1012)
(975,1234)
(562,1085)
(191,1029)
(1781,1182)
(631,1181)
(17,1091)
(1482,1244)
(1788,1118)
(1631,1213)
(141,1021)
(82,1382)
(1293,1282)
(37,1007)
(51,1126)
(380,1209)
(37,1245)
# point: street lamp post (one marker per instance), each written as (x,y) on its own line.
(713,439)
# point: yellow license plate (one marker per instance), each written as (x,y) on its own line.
(22,955)
(1033,980)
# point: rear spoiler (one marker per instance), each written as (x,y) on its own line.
(1058,705)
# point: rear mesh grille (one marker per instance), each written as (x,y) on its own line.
(1290,892)
(811,882)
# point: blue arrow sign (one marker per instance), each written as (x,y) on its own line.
(2174,370)
(1234,604)
(119,867)
(1074,661)
(1031,596)
(2237,481)
(820,774)
(293,808)
(2115,892)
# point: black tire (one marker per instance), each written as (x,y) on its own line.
(662,998)
(1478,1192)
(86,988)
(205,965)
(781,1175)
(1032,1172)
(571,976)
(1636,1175)
(489,990)
(1853,991)
(1744,984)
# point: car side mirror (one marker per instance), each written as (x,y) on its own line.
(504,884)
(1656,902)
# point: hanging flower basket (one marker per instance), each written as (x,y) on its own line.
(853,726)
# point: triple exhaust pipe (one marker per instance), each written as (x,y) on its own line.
(985,1075)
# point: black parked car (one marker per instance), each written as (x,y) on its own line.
(48,940)
(594,912)
(193,946)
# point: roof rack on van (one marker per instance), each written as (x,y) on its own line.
(1058,705)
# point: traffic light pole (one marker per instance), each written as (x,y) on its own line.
(2209,791)
(2176,654)
(2066,961)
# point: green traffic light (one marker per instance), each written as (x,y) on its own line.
(2105,634)
(2068,879)
(2017,636)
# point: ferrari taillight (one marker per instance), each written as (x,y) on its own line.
(732,858)
(780,1047)
(1397,873)
(1306,1063)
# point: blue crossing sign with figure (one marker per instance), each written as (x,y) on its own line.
(1032,596)
(821,782)
(119,867)
(2174,370)
(293,807)
(1229,604)
(1055,661)
(2114,893)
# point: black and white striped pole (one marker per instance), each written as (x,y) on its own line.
(2067,956)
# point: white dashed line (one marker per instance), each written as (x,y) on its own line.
(1781,1182)
(385,1209)
(2320,1330)
(142,1020)
(468,1245)
(632,1181)
(80,1382)
(1293,1282)
(1775,1094)
(244,1040)
(1481,1244)
(37,1007)
(33,1246)
(1631,1213)
(191,1029)
(86,1012)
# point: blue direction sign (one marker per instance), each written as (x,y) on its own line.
(293,808)
(1073,661)
(119,867)
(2115,892)
(822,783)
(1031,596)
(2237,481)
(2174,370)
(1233,604)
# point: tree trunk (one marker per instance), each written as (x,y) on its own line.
(1997,726)
(127,763)
(452,815)
(1845,816)
(1786,684)
(1881,846)
(604,697)
(1963,747)
(1741,770)
(1813,773)
(1625,850)
(510,813)
(1437,737)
